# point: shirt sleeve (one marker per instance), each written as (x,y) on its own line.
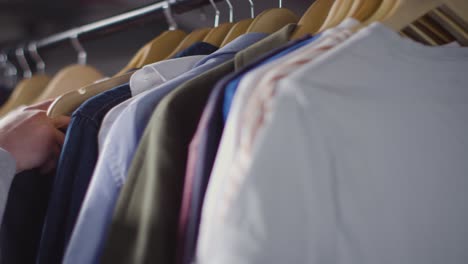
(7,172)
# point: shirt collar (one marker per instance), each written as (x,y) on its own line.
(234,46)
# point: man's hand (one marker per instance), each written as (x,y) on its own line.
(32,138)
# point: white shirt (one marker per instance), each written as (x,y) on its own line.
(230,138)
(361,160)
(148,77)
(152,75)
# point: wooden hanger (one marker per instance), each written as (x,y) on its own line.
(452,23)
(216,35)
(192,38)
(435,30)
(361,10)
(161,47)
(381,13)
(25,92)
(136,59)
(410,33)
(72,77)
(272,20)
(67,103)
(69,79)
(454,17)
(313,18)
(408,11)
(238,29)
(424,37)
(337,14)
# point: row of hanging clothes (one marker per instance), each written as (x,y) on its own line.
(334,136)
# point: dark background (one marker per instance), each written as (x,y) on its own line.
(25,20)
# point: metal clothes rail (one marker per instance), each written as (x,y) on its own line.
(121,21)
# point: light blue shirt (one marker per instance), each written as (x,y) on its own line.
(111,171)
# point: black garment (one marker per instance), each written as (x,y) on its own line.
(76,165)
(24,216)
(4,94)
(198,48)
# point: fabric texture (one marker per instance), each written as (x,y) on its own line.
(247,86)
(373,162)
(7,170)
(155,74)
(204,146)
(111,170)
(150,76)
(198,48)
(158,170)
(4,94)
(24,216)
(75,168)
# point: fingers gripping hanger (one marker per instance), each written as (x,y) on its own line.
(40,64)
(23,63)
(217,35)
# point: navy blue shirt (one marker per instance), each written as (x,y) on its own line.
(198,48)
(4,94)
(76,165)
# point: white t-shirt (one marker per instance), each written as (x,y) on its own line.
(363,159)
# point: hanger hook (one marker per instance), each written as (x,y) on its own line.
(82,55)
(231,11)
(169,17)
(280,3)
(9,77)
(40,64)
(23,62)
(216,24)
(3,57)
(252,9)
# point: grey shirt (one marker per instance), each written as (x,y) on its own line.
(7,172)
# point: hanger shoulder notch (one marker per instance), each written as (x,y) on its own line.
(238,29)
(313,18)
(192,38)
(272,20)
(216,36)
